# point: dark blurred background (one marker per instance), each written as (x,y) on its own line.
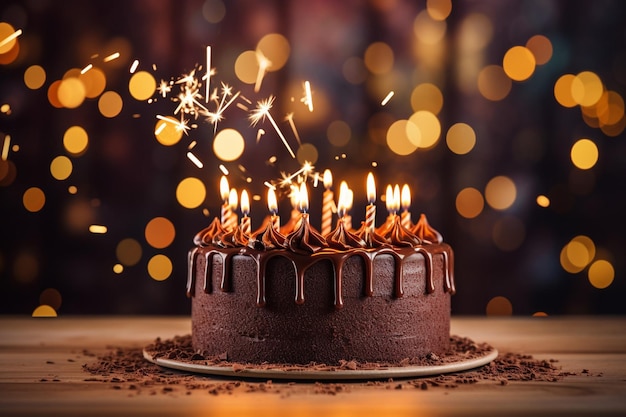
(535,218)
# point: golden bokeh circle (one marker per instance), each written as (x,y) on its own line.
(167,132)
(190,192)
(44,311)
(275,47)
(75,140)
(307,153)
(601,274)
(228,144)
(142,85)
(403,137)
(469,202)
(34,77)
(128,252)
(493,83)
(160,232)
(584,154)
(160,267)
(519,63)
(247,67)
(499,306)
(500,192)
(428,126)
(61,167)
(71,92)
(110,104)
(34,199)
(428,97)
(461,138)
(94,81)
(378,58)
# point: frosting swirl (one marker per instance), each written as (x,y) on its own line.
(305,239)
(267,238)
(399,235)
(205,236)
(342,239)
(234,238)
(370,238)
(425,232)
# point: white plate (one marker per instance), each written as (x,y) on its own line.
(319,375)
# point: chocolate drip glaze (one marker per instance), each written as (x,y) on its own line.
(302,263)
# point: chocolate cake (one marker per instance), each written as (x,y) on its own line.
(368,295)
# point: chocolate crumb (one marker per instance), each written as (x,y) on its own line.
(126,368)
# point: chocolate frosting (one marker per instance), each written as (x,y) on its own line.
(235,238)
(398,235)
(425,232)
(341,239)
(205,236)
(267,238)
(370,237)
(305,239)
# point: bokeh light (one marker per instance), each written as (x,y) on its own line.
(493,83)
(500,192)
(403,137)
(518,63)
(307,153)
(228,144)
(190,192)
(461,138)
(75,140)
(275,47)
(167,132)
(469,202)
(584,154)
(142,85)
(94,81)
(213,11)
(427,96)
(34,77)
(160,232)
(586,88)
(378,58)
(110,104)
(338,133)
(61,167)
(543,201)
(247,67)
(71,92)
(508,233)
(44,311)
(541,48)
(7,30)
(439,9)
(160,267)
(601,274)
(499,306)
(128,252)
(429,127)
(427,30)
(34,199)
(563,90)
(51,297)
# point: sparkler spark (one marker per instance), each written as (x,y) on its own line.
(308,97)
(5,147)
(164,88)
(193,158)
(261,112)
(387,98)
(111,57)
(289,118)
(10,37)
(264,63)
(87,68)
(207,76)
(133,67)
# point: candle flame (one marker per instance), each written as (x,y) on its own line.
(389,199)
(303,198)
(232,199)
(224,188)
(371,188)
(343,203)
(245,203)
(396,198)
(328,179)
(405,197)
(272,203)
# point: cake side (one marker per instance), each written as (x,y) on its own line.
(277,306)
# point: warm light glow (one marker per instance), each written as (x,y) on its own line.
(378,58)
(44,311)
(601,274)
(461,138)
(233,199)
(160,232)
(389,199)
(405,197)
(75,140)
(245,203)
(272,203)
(469,203)
(427,97)
(493,83)
(519,63)
(328,179)
(500,192)
(34,77)
(428,126)
(61,167)
(160,267)
(303,198)
(224,189)
(587,88)
(190,192)
(584,154)
(403,137)
(34,199)
(343,203)
(168,131)
(371,188)
(228,145)
(110,104)
(338,133)
(563,90)
(142,85)
(97,229)
(543,201)
(499,306)
(128,252)
(541,48)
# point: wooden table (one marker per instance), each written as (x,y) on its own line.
(35,349)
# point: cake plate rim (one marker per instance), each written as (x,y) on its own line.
(319,374)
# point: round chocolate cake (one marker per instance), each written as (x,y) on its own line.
(367,295)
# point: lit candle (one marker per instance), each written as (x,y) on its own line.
(272,205)
(225,212)
(245,210)
(345,197)
(406,203)
(303,198)
(396,199)
(347,218)
(232,202)
(327,203)
(370,212)
(389,200)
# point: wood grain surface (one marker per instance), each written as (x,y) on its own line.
(41,373)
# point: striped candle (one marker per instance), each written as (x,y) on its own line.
(327,203)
